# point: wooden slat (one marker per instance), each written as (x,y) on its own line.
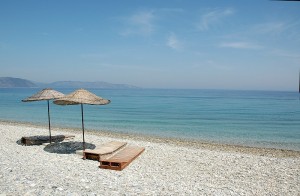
(122,158)
(105,149)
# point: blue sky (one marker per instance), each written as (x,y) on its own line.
(153,44)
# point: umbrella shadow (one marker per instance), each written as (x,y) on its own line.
(67,147)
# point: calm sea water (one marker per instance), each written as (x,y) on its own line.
(251,118)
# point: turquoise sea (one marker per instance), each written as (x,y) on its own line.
(250,118)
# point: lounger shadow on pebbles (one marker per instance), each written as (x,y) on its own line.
(67,147)
(41,139)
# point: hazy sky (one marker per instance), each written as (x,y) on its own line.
(241,44)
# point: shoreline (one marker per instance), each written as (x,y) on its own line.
(198,144)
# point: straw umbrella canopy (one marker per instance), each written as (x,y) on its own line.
(81,96)
(45,95)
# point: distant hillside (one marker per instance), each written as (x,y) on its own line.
(78,84)
(9,82)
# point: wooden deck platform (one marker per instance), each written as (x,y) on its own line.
(105,149)
(39,140)
(122,158)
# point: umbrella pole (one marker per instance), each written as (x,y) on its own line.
(49,121)
(82,126)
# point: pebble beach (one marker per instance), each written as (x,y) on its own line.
(166,167)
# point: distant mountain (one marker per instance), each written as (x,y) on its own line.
(9,82)
(78,84)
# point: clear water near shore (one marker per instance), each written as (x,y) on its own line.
(251,118)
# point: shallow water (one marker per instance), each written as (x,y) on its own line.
(251,118)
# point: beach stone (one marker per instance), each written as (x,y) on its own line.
(79,152)
(32,185)
(30,193)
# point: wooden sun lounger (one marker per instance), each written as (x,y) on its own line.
(105,149)
(38,140)
(122,158)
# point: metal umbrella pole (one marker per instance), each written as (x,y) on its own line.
(49,121)
(82,123)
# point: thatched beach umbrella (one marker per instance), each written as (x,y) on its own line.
(45,94)
(81,96)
